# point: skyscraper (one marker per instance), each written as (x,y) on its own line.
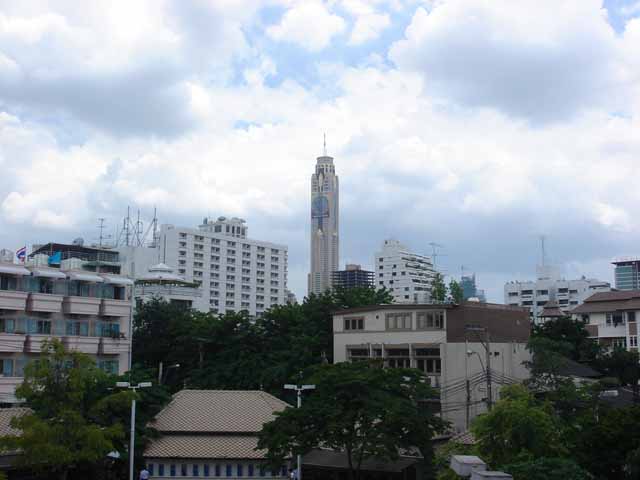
(325,239)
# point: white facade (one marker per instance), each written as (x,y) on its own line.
(236,273)
(325,232)
(549,286)
(406,274)
(431,338)
(90,312)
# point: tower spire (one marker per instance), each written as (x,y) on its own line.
(324,135)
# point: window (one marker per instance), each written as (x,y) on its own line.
(229,470)
(398,321)
(172,470)
(633,341)
(615,319)
(250,470)
(563,290)
(41,327)
(78,329)
(6,367)
(513,294)
(183,469)
(620,342)
(354,323)
(398,358)
(196,470)
(527,302)
(631,316)
(206,470)
(542,292)
(150,469)
(217,470)
(239,469)
(428,360)
(358,354)
(527,292)
(426,320)
(160,469)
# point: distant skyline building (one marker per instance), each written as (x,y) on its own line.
(627,273)
(470,288)
(325,234)
(352,277)
(550,289)
(406,274)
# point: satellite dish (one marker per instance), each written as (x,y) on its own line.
(78,242)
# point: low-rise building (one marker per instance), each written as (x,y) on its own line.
(548,287)
(352,277)
(90,311)
(212,433)
(161,282)
(447,342)
(611,318)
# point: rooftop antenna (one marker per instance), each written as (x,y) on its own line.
(435,254)
(101,227)
(324,135)
(542,249)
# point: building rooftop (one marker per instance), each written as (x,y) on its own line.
(610,301)
(427,306)
(218,411)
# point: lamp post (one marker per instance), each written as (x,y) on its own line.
(299,389)
(162,373)
(133,419)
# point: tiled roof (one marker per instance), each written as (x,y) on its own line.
(464,438)
(204,446)
(218,411)
(6,414)
(610,302)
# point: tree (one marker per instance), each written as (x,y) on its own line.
(548,469)
(359,409)
(68,428)
(574,336)
(517,429)
(438,288)
(455,291)
(621,364)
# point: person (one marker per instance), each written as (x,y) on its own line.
(144,474)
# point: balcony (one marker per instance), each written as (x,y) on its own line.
(81,305)
(113,346)
(12,342)
(44,302)
(88,345)
(115,308)
(13,300)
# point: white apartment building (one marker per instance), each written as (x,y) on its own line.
(611,318)
(445,341)
(89,311)
(406,274)
(549,286)
(235,273)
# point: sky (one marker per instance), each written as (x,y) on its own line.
(479,125)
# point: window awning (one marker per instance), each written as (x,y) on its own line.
(117,280)
(85,277)
(48,273)
(14,270)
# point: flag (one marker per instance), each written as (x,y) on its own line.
(21,254)
(55,259)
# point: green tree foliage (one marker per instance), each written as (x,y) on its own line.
(455,291)
(621,364)
(517,429)
(548,469)
(359,409)
(70,427)
(572,335)
(438,288)
(232,351)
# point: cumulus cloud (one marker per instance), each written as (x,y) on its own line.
(538,60)
(308,24)
(427,150)
(369,22)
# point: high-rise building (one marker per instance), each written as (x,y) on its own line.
(407,275)
(550,288)
(352,277)
(235,273)
(325,237)
(627,273)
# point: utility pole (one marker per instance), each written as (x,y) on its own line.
(466,377)
(487,347)
(299,389)
(133,420)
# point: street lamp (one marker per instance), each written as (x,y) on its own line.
(299,389)
(162,373)
(133,418)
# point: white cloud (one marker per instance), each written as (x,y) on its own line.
(542,60)
(369,22)
(309,24)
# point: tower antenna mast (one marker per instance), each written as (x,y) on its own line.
(324,135)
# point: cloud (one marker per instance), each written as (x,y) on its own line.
(543,61)
(308,24)
(369,22)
